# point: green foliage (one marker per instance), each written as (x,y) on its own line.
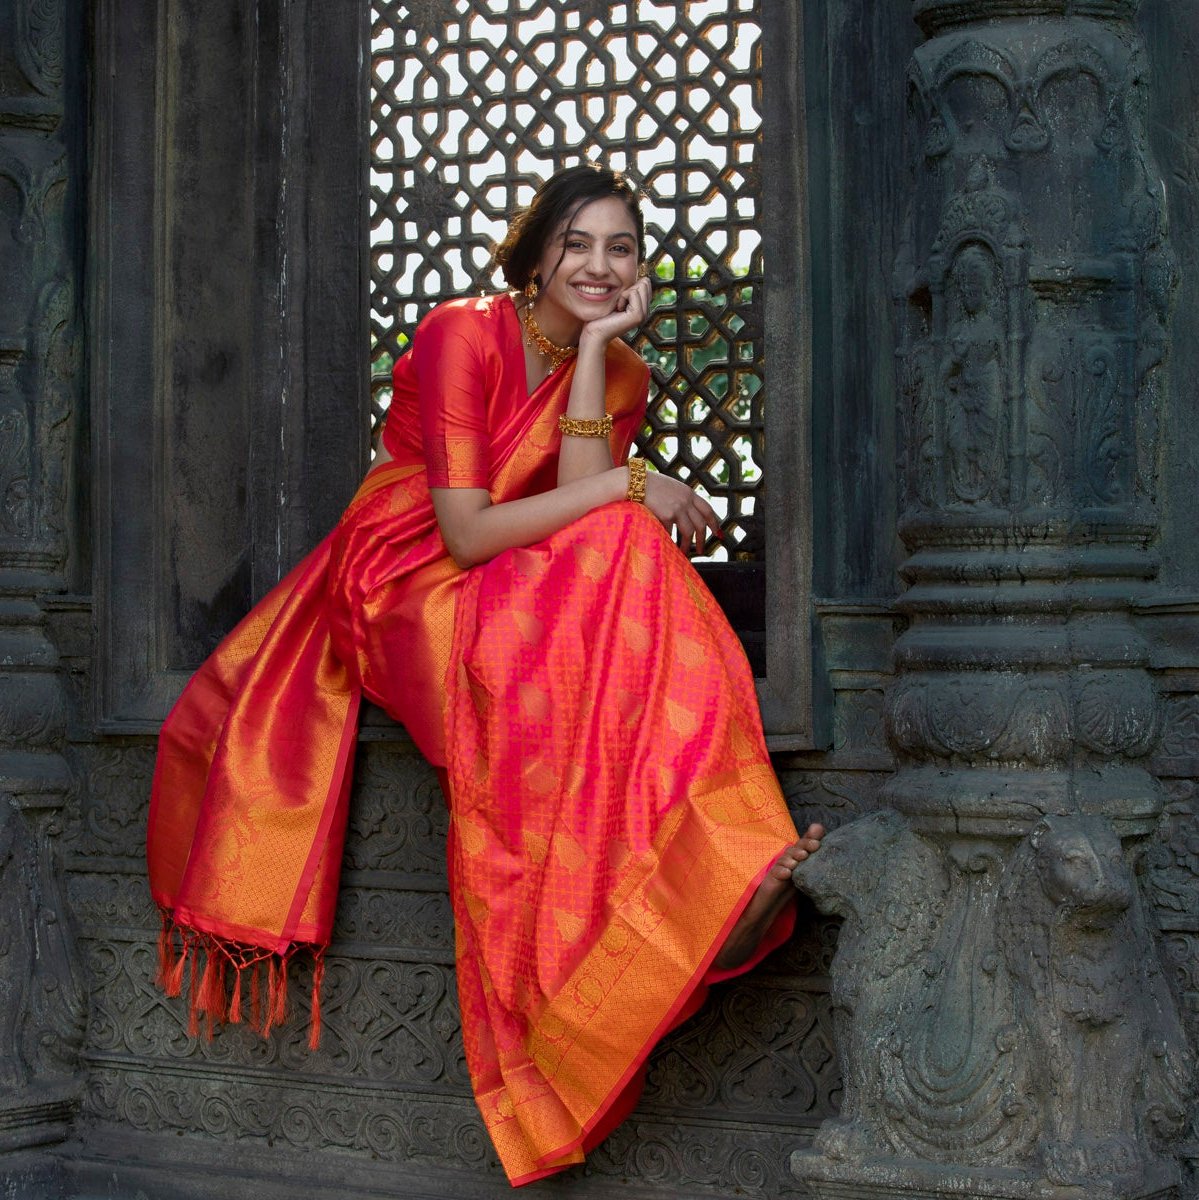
(701,353)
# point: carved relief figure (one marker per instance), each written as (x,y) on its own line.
(1089,999)
(918,408)
(16,509)
(973,379)
(41,1003)
(16,947)
(889,886)
(954,1087)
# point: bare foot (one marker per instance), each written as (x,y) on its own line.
(773,894)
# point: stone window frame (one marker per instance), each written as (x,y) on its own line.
(297,358)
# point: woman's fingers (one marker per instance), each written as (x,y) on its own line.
(630,311)
(703,522)
(684,529)
(634,301)
(693,523)
(710,520)
(687,516)
(707,524)
(639,294)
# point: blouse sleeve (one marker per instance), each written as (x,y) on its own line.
(448,361)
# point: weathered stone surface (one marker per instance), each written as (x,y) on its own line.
(1006,1023)
(1107,1053)
(42,1005)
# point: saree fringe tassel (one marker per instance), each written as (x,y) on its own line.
(318,977)
(216,969)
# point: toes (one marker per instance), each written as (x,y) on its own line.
(812,838)
(791,858)
(793,855)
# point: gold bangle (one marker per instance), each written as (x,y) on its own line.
(636,491)
(580,427)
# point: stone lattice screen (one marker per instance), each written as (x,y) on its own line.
(474,101)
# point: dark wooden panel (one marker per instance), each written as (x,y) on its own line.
(121,258)
(229,369)
(855,94)
(203,317)
(793,700)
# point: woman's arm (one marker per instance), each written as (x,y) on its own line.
(475,530)
(583,456)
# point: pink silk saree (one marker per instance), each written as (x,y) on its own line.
(612,804)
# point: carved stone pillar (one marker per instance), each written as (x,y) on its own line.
(41,1004)
(1003,1021)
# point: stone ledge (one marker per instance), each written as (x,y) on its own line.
(37,1116)
(906,1179)
(935,16)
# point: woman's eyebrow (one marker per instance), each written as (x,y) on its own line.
(612,237)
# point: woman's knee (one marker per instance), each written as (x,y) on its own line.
(617,524)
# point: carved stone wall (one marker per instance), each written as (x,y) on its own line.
(41,985)
(1005,1011)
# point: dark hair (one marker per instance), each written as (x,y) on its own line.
(554,205)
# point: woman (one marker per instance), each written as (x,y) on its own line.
(505,585)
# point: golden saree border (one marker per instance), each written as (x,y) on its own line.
(586,1043)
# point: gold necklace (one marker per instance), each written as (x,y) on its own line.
(551,350)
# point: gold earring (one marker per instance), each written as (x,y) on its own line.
(642,270)
(531,290)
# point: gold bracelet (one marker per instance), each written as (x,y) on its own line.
(636,491)
(580,427)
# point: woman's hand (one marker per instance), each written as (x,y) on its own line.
(684,513)
(632,307)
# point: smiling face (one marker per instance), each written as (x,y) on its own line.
(585,267)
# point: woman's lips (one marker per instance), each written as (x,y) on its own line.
(601,292)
